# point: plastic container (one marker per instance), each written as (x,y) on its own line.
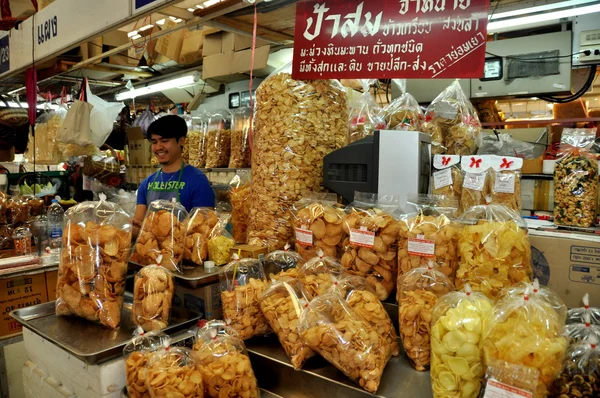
(56,219)
(22,241)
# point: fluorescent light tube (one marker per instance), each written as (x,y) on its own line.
(160,22)
(153,88)
(143,28)
(132,33)
(546,7)
(136,37)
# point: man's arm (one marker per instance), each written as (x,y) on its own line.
(138,218)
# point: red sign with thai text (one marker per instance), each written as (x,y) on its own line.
(390,39)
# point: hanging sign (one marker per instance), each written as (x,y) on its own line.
(4,54)
(390,39)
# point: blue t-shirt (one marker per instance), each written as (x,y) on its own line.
(195,190)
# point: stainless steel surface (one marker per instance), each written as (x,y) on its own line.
(192,276)
(89,341)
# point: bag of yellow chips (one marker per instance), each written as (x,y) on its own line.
(493,249)
(519,289)
(198,226)
(333,329)
(581,373)
(222,359)
(242,283)
(526,330)
(220,241)
(93,262)
(240,205)
(447,176)
(153,289)
(282,263)
(136,354)
(282,305)
(418,292)
(365,114)
(320,273)
(458,319)
(171,372)
(161,234)
(505,181)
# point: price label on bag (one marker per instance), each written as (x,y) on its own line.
(442,178)
(504,183)
(474,181)
(496,389)
(362,237)
(420,246)
(304,236)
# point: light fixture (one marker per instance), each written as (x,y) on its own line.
(136,37)
(210,3)
(191,9)
(199,6)
(143,28)
(132,33)
(152,88)
(546,7)
(160,22)
(13,104)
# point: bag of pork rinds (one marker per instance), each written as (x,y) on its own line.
(136,354)
(365,114)
(240,205)
(198,226)
(171,371)
(320,273)
(282,263)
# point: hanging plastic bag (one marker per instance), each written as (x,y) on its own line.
(93,262)
(198,226)
(341,336)
(218,140)
(240,138)
(579,138)
(185,153)
(242,283)
(370,250)
(136,354)
(240,205)
(318,225)
(75,128)
(365,114)
(144,120)
(578,315)
(46,149)
(476,185)
(403,113)
(581,372)
(447,177)
(220,242)
(153,290)
(320,273)
(282,305)
(282,263)
(171,372)
(459,320)
(102,116)
(505,181)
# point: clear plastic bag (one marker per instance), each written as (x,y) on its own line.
(93,262)
(220,241)
(46,131)
(17,210)
(544,293)
(194,142)
(136,354)
(341,336)
(144,120)
(297,123)
(282,305)
(578,332)
(185,153)
(579,138)
(280,263)
(459,320)
(3,208)
(198,226)
(403,113)
(527,331)
(218,140)
(240,205)
(171,372)
(153,289)
(476,181)
(429,235)
(493,250)
(504,144)
(370,250)
(575,188)
(240,138)
(418,292)
(365,115)
(318,225)
(320,273)
(242,283)
(447,177)
(505,181)
(162,233)
(580,376)
(578,315)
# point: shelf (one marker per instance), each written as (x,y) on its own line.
(537,176)
(221,170)
(541,121)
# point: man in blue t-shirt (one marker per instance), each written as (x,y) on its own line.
(175,179)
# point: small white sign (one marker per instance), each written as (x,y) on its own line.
(496,389)
(363,238)
(421,247)
(304,236)
(474,181)
(442,178)
(504,183)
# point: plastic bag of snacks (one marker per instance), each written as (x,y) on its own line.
(493,250)
(240,205)
(502,375)
(36,206)
(320,273)
(505,181)
(334,330)
(476,185)
(194,136)
(136,354)
(428,235)
(153,289)
(577,332)
(282,305)
(185,153)
(222,359)
(365,114)
(580,376)
(218,140)
(240,138)
(403,113)
(459,320)
(17,210)
(202,126)
(242,283)
(220,242)
(575,188)
(318,225)
(297,123)
(578,315)
(282,263)
(46,131)
(370,250)
(527,331)
(198,226)
(542,292)
(93,262)
(447,179)
(171,372)
(452,117)
(360,296)
(162,233)
(3,208)
(418,292)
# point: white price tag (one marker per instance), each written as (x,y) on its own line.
(363,238)
(496,389)
(442,178)
(474,181)
(505,183)
(304,236)
(421,247)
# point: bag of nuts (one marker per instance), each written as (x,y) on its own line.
(370,250)
(580,376)
(320,273)
(282,263)
(330,327)
(171,372)
(153,289)
(505,181)
(218,140)
(318,225)
(282,305)
(240,138)
(242,283)
(476,185)
(575,188)
(403,113)
(220,241)
(240,205)
(447,179)
(365,114)
(198,226)
(93,262)
(136,354)
(418,292)
(162,233)
(297,123)
(578,315)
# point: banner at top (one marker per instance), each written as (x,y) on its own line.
(390,39)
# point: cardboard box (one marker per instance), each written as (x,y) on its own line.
(140,149)
(216,65)
(94,47)
(212,44)
(204,300)
(51,280)
(235,42)
(191,48)
(16,293)
(568,263)
(170,45)
(115,38)
(248,251)
(533,166)
(242,59)
(7,154)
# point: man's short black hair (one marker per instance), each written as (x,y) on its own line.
(170,126)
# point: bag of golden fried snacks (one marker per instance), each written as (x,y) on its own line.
(475,185)
(318,225)
(242,283)
(418,291)
(320,273)
(581,371)
(136,354)
(93,262)
(282,305)
(198,226)
(220,241)
(153,289)
(333,329)
(447,176)
(240,205)
(544,293)
(171,372)
(403,113)
(222,359)
(458,323)
(282,263)
(526,330)
(505,181)
(360,296)
(218,140)
(365,114)
(161,234)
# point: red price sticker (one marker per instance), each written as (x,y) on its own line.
(304,236)
(496,389)
(362,238)
(421,247)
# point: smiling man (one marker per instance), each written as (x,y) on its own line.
(187,184)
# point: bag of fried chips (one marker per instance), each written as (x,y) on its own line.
(475,185)
(282,263)
(162,233)
(220,241)
(171,372)
(370,250)
(218,140)
(578,315)
(320,273)
(242,283)
(282,305)
(330,327)
(135,354)
(93,262)
(493,250)
(581,372)
(153,289)
(549,295)
(458,322)
(403,113)
(365,114)
(198,226)
(447,176)
(223,361)
(318,225)
(240,205)
(505,181)
(418,292)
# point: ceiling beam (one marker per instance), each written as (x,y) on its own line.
(116,70)
(177,13)
(248,28)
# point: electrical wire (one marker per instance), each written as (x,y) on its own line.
(494,10)
(586,86)
(517,58)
